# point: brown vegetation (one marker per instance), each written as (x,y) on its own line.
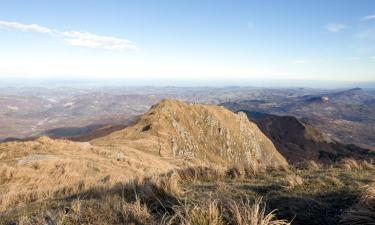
(292,180)
(350,164)
(207,195)
(179,164)
(364,212)
(147,200)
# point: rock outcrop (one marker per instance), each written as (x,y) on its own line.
(206,132)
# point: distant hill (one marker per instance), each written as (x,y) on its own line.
(298,141)
(345,115)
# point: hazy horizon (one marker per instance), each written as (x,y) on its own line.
(256,83)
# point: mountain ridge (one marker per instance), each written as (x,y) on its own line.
(175,128)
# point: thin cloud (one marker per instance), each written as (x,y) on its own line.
(25,27)
(335,27)
(75,38)
(89,40)
(369,17)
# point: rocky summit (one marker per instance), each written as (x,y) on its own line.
(205,132)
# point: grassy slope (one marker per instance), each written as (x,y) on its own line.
(320,200)
(320,197)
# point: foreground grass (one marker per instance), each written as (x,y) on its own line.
(311,195)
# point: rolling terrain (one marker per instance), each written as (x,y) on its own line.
(183,163)
(171,135)
(298,141)
(346,115)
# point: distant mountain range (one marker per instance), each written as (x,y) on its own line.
(346,115)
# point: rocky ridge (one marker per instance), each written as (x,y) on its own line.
(205,132)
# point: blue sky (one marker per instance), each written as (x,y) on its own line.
(189,40)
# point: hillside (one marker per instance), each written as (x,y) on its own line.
(171,135)
(298,141)
(46,168)
(206,132)
(179,164)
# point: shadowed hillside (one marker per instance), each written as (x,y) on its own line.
(298,141)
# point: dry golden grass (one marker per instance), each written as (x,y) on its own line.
(367,165)
(364,212)
(210,212)
(207,214)
(137,212)
(202,173)
(352,164)
(168,199)
(292,181)
(47,169)
(242,170)
(214,212)
(169,183)
(155,202)
(248,213)
(309,165)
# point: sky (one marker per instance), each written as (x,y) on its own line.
(206,40)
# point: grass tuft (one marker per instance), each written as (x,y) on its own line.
(310,165)
(350,164)
(292,181)
(247,213)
